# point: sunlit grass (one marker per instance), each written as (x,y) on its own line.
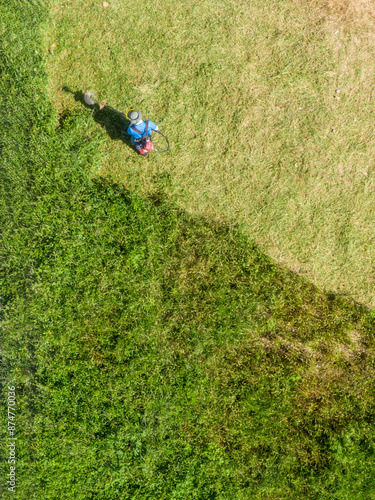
(268,108)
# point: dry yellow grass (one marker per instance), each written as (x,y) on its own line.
(268,108)
(349,11)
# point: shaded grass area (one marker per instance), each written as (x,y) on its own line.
(156,354)
(268,107)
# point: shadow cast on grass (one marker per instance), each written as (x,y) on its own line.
(114,122)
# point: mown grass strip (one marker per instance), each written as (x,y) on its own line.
(268,107)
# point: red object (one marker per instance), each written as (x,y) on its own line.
(149,146)
(144,146)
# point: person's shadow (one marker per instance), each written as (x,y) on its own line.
(115,122)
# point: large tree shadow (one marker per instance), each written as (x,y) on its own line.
(115,122)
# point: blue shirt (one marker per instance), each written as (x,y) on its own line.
(141,128)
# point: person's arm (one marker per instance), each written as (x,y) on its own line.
(153,126)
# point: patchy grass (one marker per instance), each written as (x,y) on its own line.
(156,354)
(268,107)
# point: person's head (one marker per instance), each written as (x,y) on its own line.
(135,117)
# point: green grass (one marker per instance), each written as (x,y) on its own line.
(157,354)
(269,110)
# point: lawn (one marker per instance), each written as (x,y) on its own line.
(268,107)
(157,353)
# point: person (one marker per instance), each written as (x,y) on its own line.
(140,132)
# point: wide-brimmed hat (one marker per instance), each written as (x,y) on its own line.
(134,116)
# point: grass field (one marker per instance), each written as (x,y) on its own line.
(268,107)
(156,354)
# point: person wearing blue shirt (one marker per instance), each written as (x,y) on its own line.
(140,132)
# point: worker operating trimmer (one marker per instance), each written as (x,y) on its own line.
(140,132)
